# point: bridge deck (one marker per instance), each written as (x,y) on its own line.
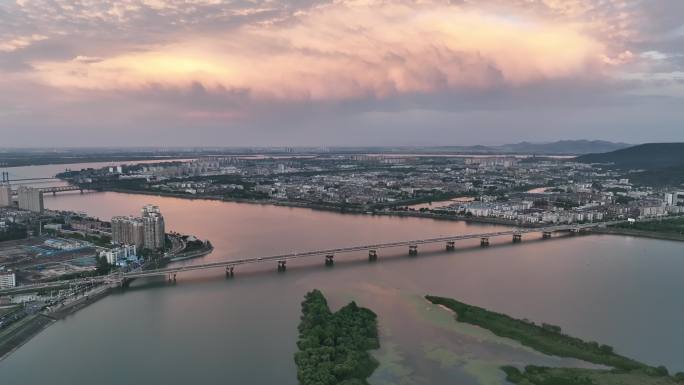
(351,249)
(307,254)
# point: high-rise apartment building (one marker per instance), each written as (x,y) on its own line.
(30,199)
(147,232)
(5,195)
(153,223)
(128,231)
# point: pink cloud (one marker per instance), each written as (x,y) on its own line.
(348,50)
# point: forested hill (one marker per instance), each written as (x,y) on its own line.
(648,156)
(661,164)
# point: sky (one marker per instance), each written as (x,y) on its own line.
(339,72)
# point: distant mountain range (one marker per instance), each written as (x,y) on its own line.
(660,163)
(562,147)
(568,147)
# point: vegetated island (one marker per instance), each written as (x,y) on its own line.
(333,347)
(549,339)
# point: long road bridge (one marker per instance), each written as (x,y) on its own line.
(328,254)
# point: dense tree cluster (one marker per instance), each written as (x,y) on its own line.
(102,266)
(12,232)
(669,226)
(333,347)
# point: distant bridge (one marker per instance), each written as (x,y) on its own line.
(328,254)
(56,189)
(31,179)
(5,178)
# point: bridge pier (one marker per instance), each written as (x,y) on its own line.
(329,260)
(413,250)
(450,246)
(484,242)
(281,266)
(229,271)
(372,255)
(517,238)
(546,235)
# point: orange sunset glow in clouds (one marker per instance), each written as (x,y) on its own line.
(284,69)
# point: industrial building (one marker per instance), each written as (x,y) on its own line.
(120,255)
(30,199)
(5,195)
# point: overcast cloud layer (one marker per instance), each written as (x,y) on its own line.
(342,72)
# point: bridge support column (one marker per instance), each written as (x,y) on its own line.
(450,246)
(281,266)
(229,271)
(372,255)
(574,231)
(517,238)
(413,250)
(329,260)
(484,242)
(546,235)
(54,193)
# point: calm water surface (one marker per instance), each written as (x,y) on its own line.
(206,329)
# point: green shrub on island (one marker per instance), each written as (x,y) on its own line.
(534,375)
(547,339)
(333,347)
(537,375)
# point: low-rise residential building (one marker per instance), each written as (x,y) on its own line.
(7,279)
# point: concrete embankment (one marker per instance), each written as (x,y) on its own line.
(79,303)
(192,254)
(22,331)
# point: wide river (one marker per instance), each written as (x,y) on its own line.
(207,329)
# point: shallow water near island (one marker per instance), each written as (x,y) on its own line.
(206,329)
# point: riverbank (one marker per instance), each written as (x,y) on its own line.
(182,256)
(24,330)
(320,207)
(21,332)
(639,233)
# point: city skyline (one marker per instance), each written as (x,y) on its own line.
(156,72)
